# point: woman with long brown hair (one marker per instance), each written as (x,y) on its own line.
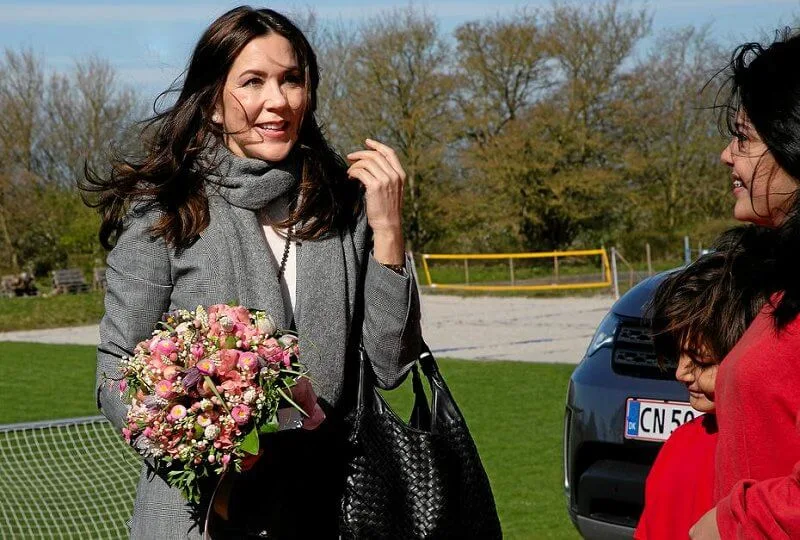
(238,197)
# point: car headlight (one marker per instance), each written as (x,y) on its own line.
(604,336)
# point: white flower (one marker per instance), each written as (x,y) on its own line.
(211,432)
(249,395)
(226,323)
(265,324)
(183,328)
(206,404)
(201,315)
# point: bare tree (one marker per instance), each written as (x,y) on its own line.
(22,100)
(673,145)
(395,87)
(502,69)
(49,128)
(90,112)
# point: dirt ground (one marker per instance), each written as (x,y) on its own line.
(480,328)
(522,329)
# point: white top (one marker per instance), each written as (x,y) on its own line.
(276,239)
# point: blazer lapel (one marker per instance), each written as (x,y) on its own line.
(240,241)
(322,312)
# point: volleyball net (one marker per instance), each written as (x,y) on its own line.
(539,271)
(71,479)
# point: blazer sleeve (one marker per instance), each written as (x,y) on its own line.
(138,293)
(766,509)
(391,332)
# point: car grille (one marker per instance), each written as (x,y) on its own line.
(635,355)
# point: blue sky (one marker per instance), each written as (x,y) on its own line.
(149,41)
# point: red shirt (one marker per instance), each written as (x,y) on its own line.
(680,486)
(757,402)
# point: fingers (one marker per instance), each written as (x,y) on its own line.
(376,170)
(383,154)
(388,153)
(364,176)
(376,157)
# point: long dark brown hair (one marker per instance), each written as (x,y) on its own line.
(171,176)
(763,82)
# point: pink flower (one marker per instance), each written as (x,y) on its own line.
(197,350)
(203,420)
(170,372)
(178,412)
(164,389)
(152,344)
(166,347)
(241,414)
(248,361)
(241,314)
(206,366)
(271,353)
(227,360)
(234,383)
(225,459)
(123,385)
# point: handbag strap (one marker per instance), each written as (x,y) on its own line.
(421,417)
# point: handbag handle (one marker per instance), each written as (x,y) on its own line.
(424,416)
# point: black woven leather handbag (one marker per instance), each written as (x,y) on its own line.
(423,479)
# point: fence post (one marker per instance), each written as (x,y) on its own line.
(687,251)
(649,260)
(614,276)
(466,271)
(511,269)
(555,266)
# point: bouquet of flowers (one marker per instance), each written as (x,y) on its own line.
(205,386)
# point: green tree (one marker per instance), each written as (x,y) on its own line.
(49,128)
(392,84)
(673,145)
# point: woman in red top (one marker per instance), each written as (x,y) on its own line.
(757,485)
(698,314)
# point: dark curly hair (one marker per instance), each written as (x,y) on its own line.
(708,305)
(170,173)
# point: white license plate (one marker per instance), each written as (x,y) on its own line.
(655,420)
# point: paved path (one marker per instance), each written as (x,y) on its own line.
(481,328)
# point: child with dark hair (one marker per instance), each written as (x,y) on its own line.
(698,314)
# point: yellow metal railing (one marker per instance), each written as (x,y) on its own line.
(513,286)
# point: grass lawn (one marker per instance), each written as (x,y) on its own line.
(514,410)
(28,313)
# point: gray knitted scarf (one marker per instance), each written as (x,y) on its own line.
(327,269)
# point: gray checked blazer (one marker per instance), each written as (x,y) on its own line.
(338,282)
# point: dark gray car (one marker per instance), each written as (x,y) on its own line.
(620,407)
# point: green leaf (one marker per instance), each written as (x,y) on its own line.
(270,426)
(230,342)
(250,442)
